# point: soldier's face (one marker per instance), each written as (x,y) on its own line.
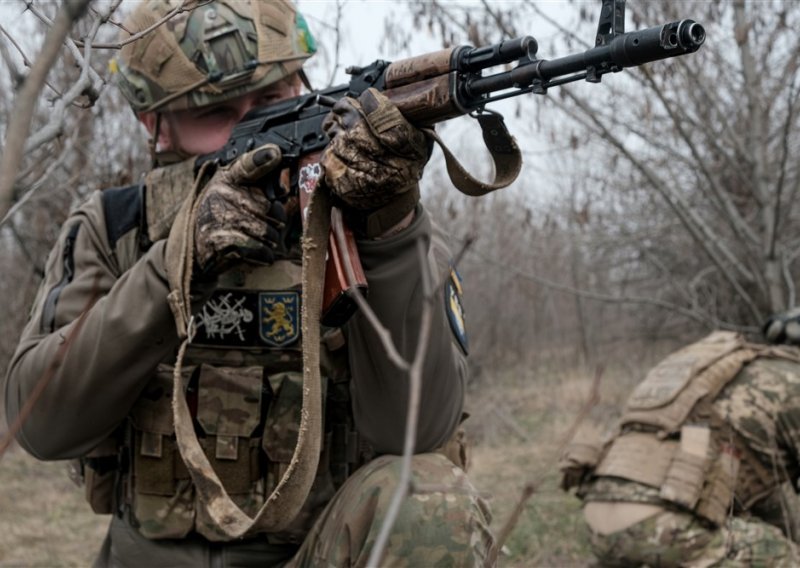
(206,129)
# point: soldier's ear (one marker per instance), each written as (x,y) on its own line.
(151,122)
(148,119)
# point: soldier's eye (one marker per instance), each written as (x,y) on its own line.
(268,99)
(216,113)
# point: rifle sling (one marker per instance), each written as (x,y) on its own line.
(503,149)
(286,500)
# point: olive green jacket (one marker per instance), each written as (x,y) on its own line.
(101,324)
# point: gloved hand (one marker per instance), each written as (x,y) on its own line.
(237,218)
(375,157)
(783,328)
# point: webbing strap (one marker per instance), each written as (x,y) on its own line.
(503,149)
(286,500)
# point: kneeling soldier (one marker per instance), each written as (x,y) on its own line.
(696,472)
(111,295)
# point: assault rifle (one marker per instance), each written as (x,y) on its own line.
(438,86)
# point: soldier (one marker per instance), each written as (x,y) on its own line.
(703,468)
(104,327)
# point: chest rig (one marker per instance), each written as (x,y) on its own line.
(673,442)
(243,380)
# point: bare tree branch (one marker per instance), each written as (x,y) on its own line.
(27,96)
(699,317)
(184,6)
(18,76)
(412,417)
(414,370)
(702,232)
(83,86)
(775,211)
(530,488)
(508,32)
(31,191)
(97,81)
(338,42)
(740,227)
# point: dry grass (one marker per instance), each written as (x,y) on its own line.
(517,436)
(44,520)
(518,422)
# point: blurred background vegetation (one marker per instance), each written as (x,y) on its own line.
(652,208)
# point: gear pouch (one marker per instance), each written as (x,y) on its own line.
(163,503)
(229,411)
(100,469)
(282,425)
(687,472)
(97,472)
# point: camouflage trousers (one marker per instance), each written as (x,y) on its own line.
(671,538)
(443,522)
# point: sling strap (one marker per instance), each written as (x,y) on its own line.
(286,500)
(502,147)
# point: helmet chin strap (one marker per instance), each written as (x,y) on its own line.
(153,142)
(304,78)
(174,155)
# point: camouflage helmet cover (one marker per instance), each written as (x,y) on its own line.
(212,52)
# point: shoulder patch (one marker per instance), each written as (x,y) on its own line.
(454,306)
(123,208)
(279,317)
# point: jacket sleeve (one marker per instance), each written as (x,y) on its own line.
(92,366)
(379,388)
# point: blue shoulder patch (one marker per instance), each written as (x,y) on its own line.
(455,309)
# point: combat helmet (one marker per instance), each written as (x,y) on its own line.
(210,52)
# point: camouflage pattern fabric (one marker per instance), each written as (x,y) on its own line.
(759,404)
(437,528)
(681,539)
(375,154)
(172,67)
(433,528)
(235,219)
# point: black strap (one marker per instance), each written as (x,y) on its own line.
(124,211)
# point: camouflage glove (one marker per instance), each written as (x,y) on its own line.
(373,162)
(783,328)
(238,220)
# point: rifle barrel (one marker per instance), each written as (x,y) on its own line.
(626,50)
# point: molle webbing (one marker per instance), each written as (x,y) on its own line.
(638,456)
(690,472)
(671,390)
(673,441)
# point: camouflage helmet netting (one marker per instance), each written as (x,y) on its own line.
(212,53)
